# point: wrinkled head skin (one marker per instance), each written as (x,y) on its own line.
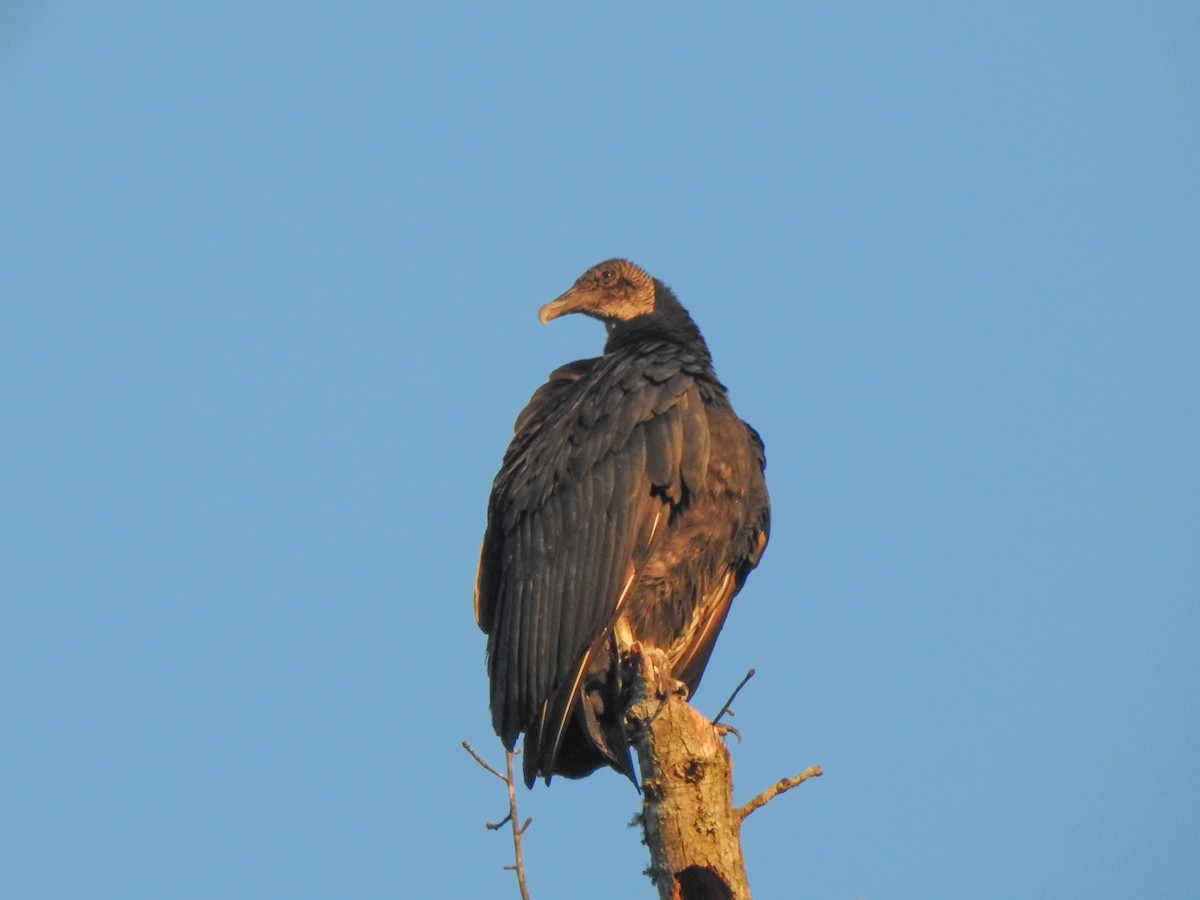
(612,291)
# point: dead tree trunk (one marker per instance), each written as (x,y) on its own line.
(691,826)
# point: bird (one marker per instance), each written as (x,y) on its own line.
(627,513)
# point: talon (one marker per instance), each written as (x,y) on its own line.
(723,730)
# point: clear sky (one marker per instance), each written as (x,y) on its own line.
(269,277)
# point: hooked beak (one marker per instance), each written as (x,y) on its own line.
(560,306)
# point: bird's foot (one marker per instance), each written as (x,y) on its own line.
(665,684)
(723,730)
(672,686)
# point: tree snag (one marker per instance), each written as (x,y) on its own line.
(691,826)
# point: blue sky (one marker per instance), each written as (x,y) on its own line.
(270,280)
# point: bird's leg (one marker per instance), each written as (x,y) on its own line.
(647,668)
(665,683)
(639,676)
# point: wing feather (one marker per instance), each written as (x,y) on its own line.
(599,458)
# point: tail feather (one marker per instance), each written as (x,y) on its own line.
(582,727)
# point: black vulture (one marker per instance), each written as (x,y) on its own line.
(630,507)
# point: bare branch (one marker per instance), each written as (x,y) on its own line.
(779,787)
(725,709)
(518,831)
(479,759)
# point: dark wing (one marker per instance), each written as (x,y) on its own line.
(603,455)
(736,483)
(546,401)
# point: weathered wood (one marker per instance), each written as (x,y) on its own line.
(690,823)
(688,819)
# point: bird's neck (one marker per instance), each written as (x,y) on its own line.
(669,322)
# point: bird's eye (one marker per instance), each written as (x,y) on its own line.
(608,276)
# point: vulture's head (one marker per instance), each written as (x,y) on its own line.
(613,291)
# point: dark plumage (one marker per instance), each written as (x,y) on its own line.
(630,508)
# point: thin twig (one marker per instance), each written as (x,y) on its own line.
(737,690)
(518,831)
(479,759)
(779,787)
